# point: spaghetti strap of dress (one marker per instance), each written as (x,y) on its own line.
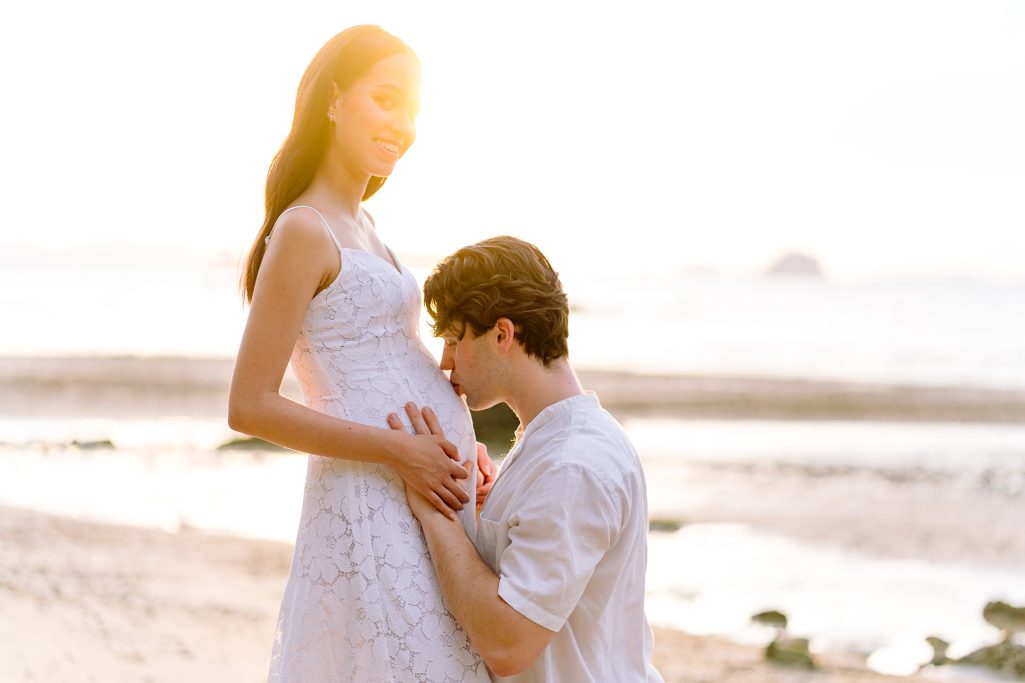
(327,227)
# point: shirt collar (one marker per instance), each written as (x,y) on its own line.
(564,407)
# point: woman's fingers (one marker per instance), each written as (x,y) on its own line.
(452,452)
(451,500)
(416,417)
(421,428)
(438,503)
(425,420)
(457,491)
(449,495)
(431,418)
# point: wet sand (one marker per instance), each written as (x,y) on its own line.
(96,602)
(198,387)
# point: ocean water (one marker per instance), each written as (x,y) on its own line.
(939,333)
(958,333)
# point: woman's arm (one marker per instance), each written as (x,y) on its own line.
(300,260)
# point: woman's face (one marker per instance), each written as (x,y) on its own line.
(375,117)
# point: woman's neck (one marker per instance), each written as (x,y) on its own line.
(335,185)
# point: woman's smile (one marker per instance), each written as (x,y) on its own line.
(392,148)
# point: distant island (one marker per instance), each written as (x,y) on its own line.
(795,263)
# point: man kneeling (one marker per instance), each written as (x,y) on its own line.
(552,588)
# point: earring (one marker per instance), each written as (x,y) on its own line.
(331,116)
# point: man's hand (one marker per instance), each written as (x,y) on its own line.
(486,472)
(425,424)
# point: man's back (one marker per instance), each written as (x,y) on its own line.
(565,528)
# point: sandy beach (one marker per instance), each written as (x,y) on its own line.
(95,602)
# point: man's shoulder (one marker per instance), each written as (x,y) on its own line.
(599,432)
(588,437)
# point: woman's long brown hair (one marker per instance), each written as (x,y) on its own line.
(342,61)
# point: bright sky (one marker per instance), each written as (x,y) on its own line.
(884,137)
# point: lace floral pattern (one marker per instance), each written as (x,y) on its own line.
(362,602)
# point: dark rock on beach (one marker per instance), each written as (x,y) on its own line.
(939,650)
(249,443)
(790,652)
(1007,618)
(666,526)
(1005,657)
(773,618)
(784,650)
(92,445)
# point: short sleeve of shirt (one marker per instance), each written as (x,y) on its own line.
(556,539)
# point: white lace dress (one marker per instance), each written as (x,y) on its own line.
(362,602)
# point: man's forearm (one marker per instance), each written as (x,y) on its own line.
(506,640)
(467,583)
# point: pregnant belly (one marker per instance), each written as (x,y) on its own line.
(369,402)
(368,398)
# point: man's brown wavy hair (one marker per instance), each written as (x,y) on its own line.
(501,277)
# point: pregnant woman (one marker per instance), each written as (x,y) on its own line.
(362,602)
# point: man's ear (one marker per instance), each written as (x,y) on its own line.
(505,334)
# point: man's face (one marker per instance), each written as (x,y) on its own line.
(470,362)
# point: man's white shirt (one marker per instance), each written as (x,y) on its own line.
(565,529)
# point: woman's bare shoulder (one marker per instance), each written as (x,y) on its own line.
(300,252)
(300,238)
(300,222)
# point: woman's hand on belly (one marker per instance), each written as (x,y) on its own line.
(430,464)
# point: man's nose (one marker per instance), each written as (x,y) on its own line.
(446,360)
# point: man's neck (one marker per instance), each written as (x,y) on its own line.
(537,387)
